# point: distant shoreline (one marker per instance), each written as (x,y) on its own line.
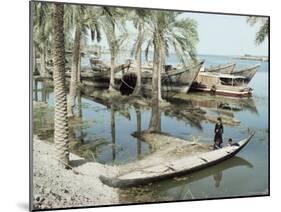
(252,57)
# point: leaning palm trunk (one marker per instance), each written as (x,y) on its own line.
(112,67)
(79,68)
(155,112)
(33,59)
(138,53)
(43,70)
(74,72)
(61,120)
(161,64)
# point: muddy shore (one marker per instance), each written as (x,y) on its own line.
(56,187)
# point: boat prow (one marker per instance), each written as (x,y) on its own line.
(178,167)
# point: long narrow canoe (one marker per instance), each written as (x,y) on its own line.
(175,168)
(224,69)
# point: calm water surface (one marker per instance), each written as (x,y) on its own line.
(104,134)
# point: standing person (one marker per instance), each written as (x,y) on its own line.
(218,134)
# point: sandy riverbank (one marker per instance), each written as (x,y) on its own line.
(56,187)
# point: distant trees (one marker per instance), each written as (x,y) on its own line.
(263,31)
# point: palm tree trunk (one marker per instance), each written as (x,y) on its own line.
(161,64)
(112,67)
(79,103)
(79,69)
(138,52)
(43,70)
(74,72)
(33,59)
(155,112)
(61,121)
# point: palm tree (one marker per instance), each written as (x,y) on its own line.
(82,19)
(61,121)
(263,30)
(42,31)
(112,18)
(170,30)
(157,67)
(74,18)
(139,18)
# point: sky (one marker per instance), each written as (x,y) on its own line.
(227,35)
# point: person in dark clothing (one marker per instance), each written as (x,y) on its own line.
(218,134)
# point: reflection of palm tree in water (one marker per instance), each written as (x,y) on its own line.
(113,132)
(155,120)
(138,114)
(79,114)
(36,90)
(217,178)
(79,103)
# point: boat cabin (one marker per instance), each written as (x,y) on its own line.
(208,78)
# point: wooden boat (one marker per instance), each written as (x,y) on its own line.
(222,84)
(172,79)
(185,165)
(248,73)
(224,69)
(86,74)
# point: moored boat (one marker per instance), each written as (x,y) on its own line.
(172,79)
(222,84)
(224,69)
(184,165)
(248,73)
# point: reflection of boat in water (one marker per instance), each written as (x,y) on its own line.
(224,69)
(220,103)
(172,79)
(175,168)
(222,84)
(248,73)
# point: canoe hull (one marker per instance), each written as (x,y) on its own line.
(177,168)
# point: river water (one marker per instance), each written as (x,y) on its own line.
(103,134)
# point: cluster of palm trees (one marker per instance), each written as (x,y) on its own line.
(57,27)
